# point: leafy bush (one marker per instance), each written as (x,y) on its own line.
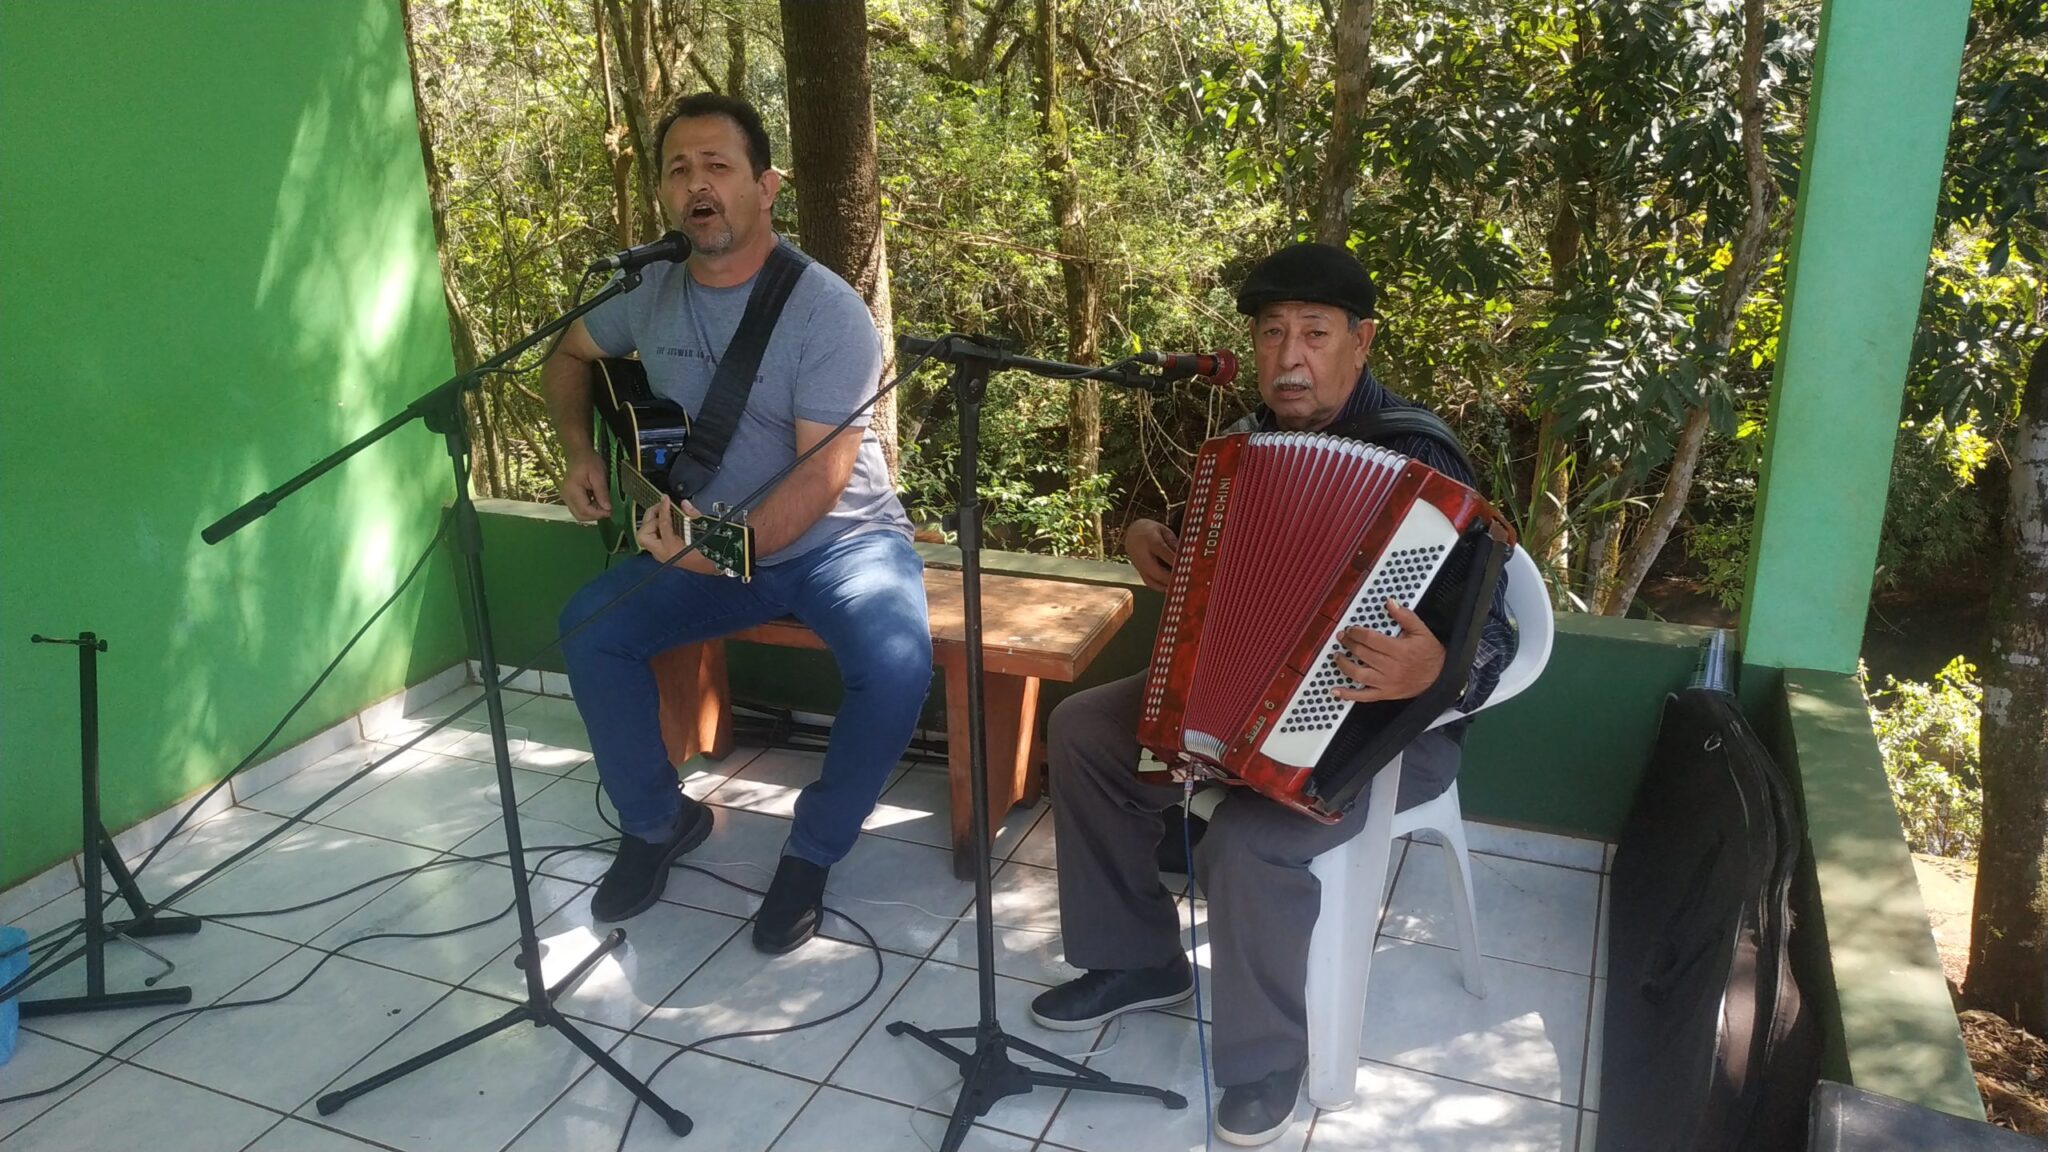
(1928,734)
(1933,520)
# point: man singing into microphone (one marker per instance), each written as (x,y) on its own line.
(831,542)
(1312,326)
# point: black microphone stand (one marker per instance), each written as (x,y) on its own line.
(441,411)
(987,1071)
(97,852)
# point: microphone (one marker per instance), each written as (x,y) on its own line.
(1218,367)
(672,246)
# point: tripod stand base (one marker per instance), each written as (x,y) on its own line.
(98,999)
(156,926)
(105,1002)
(541,1014)
(988,1074)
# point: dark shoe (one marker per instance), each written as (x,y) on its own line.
(639,871)
(795,902)
(1254,1113)
(1105,993)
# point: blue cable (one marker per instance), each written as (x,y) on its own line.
(1187,837)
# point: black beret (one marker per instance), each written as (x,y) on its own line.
(1310,273)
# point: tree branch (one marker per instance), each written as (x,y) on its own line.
(1740,278)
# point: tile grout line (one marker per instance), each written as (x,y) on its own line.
(1468,1083)
(629,1034)
(187,1081)
(1486,954)
(1586,1069)
(84,1083)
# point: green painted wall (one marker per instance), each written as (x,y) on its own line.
(1876,133)
(1566,755)
(219,266)
(1863,953)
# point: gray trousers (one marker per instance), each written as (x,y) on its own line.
(1252,865)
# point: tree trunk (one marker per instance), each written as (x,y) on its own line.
(1744,269)
(832,147)
(1351,37)
(1084,292)
(957,52)
(645,42)
(619,142)
(461,326)
(1599,549)
(736,56)
(2009,925)
(1551,486)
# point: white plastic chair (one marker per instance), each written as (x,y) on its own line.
(1354,874)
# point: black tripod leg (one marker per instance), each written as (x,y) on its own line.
(677,1122)
(605,947)
(936,1041)
(328,1103)
(106,1002)
(124,883)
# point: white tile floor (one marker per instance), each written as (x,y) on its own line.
(1441,1070)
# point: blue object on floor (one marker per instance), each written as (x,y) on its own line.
(13,962)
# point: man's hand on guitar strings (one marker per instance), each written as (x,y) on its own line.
(585,487)
(1389,667)
(657,536)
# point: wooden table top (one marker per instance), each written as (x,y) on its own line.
(1030,626)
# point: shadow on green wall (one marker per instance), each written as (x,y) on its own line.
(221,267)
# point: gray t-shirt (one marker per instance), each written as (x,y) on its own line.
(823,360)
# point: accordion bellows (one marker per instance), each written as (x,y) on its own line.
(1289,538)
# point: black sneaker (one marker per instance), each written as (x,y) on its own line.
(639,871)
(795,902)
(1254,1113)
(1105,993)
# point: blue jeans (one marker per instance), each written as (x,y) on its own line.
(863,595)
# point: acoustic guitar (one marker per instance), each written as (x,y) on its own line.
(646,432)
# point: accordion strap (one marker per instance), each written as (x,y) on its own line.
(1405,420)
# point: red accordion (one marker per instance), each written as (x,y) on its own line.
(1289,538)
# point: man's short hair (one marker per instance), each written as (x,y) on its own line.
(732,108)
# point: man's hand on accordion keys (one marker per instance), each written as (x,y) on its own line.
(1153,549)
(1387,667)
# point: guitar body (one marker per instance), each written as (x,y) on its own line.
(646,434)
(647,430)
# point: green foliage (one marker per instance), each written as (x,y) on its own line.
(1983,307)
(1934,522)
(1928,734)
(1197,129)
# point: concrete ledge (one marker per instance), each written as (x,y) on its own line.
(1888,1022)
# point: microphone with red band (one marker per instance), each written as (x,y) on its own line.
(1218,367)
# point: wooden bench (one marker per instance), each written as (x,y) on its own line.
(1033,630)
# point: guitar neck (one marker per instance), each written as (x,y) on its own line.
(642,491)
(726,544)
(639,487)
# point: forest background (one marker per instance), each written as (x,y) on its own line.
(1576,212)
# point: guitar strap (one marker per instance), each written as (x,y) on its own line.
(719,417)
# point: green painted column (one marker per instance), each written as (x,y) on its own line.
(1876,131)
